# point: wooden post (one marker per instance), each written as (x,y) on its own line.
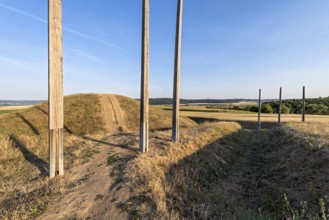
(176,95)
(144,108)
(259,108)
(55,88)
(280,106)
(303,110)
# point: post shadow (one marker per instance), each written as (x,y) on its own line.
(65,127)
(34,129)
(110,144)
(30,156)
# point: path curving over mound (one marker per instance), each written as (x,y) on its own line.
(113,115)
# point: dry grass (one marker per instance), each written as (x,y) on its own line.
(159,119)
(14,107)
(202,108)
(315,133)
(24,149)
(24,187)
(231,116)
(149,171)
(24,152)
(218,170)
(222,171)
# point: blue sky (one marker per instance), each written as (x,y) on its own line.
(230,48)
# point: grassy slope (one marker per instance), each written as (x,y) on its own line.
(159,119)
(7,111)
(24,190)
(24,147)
(222,170)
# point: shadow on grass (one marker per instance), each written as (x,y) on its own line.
(30,156)
(34,129)
(110,144)
(248,171)
(46,113)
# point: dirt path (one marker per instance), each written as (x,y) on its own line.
(96,190)
(113,114)
(118,113)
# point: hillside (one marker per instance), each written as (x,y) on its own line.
(88,119)
(235,173)
(87,114)
(221,170)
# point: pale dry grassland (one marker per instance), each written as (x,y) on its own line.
(148,171)
(159,119)
(221,171)
(315,133)
(235,116)
(24,187)
(14,107)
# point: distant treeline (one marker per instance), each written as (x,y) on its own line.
(316,106)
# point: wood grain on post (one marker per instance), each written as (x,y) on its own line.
(280,107)
(55,88)
(144,108)
(303,110)
(177,68)
(56,152)
(259,108)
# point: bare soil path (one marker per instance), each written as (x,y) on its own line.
(113,114)
(95,188)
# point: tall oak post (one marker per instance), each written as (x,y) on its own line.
(259,108)
(176,95)
(55,88)
(280,107)
(144,108)
(303,110)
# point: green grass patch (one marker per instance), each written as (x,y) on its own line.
(2,112)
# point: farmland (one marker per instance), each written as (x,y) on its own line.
(11,109)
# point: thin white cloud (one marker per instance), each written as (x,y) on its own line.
(77,33)
(10,65)
(68,30)
(18,63)
(23,13)
(88,56)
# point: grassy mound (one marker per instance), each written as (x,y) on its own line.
(24,147)
(222,171)
(159,118)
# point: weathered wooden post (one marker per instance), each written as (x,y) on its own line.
(259,108)
(176,95)
(144,108)
(55,88)
(303,110)
(280,106)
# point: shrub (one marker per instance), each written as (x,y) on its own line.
(267,108)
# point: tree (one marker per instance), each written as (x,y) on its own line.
(267,108)
(317,109)
(285,109)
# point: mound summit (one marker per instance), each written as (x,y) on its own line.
(89,114)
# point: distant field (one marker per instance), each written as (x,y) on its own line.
(11,109)
(240,116)
(196,108)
